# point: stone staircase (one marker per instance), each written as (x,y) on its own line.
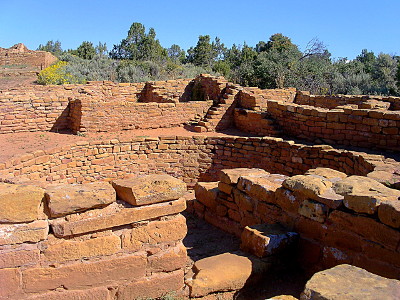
(218,117)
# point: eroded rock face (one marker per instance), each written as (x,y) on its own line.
(308,185)
(149,189)
(66,199)
(363,194)
(348,282)
(19,203)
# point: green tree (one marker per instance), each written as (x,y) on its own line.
(176,54)
(368,59)
(53,47)
(202,54)
(86,50)
(101,49)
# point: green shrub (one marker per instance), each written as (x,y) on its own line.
(56,74)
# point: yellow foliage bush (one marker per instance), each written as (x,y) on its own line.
(56,74)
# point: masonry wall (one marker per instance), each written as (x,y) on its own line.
(95,247)
(257,99)
(350,127)
(188,158)
(330,232)
(39,59)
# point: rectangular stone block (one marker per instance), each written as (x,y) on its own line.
(260,187)
(231,176)
(116,214)
(170,230)
(149,189)
(88,294)
(19,256)
(64,250)
(168,260)
(19,203)
(313,210)
(85,274)
(157,285)
(206,193)
(25,232)
(10,283)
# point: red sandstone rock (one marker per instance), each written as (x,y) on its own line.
(206,193)
(20,233)
(23,255)
(261,187)
(149,189)
(313,210)
(95,293)
(327,173)
(85,274)
(266,239)
(307,185)
(389,213)
(19,203)
(70,198)
(349,282)
(231,176)
(113,215)
(10,285)
(172,259)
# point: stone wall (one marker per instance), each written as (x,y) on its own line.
(360,101)
(170,91)
(92,246)
(340,219)
(188,158)
(20,55)
(257,99)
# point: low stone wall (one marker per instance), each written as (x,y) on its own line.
(257,99)
(20,55)
(350,127)
(169,91)
(80,242)
(87,114)
(188,158)
(340,219)
(361,101)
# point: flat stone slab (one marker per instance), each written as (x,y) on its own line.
(149,189)
(206,193)
(19,203)
(224,272)
(309,185)
(26,232)
(266,239)
(67,199)
(345,282)
(231,176)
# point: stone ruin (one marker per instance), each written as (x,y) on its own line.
(314,182)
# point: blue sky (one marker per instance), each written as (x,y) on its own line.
(346,27)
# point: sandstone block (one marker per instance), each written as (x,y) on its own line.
(389,213)
(206,193)
(9,283)
(20,233)
(231,176)
(172,259)
(259,187)
(225,188)
(243,201)
(363,194)
(20,256)
(330,198)
(266,239)
(289,201)
(116,214)
(95,293)
(154,232)
(327,173)
(307,185)
(224,272)
(157,285)
(349,282)
(70,198)
(65,250)
(149,189)
(85,274)
(313,210)
(19,203)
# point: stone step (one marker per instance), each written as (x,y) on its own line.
(199,129)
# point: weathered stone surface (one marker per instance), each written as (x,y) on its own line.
(115,214)
(149,189)
(225,188)
(259,187)
(20,256)
(313,210)
(155,286)
(348,282)
(19,203)
(154,232)
(224,272)
(85,274)
(308,185)
(327,173)
(283,297)
(266,239)
(330,198)
(70,198)
(363,194)
(231,176)
(65,250)
(20,233)
(10,283)
(96,293)
(389,213)
(172,259)
(206,193)
(243,201)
